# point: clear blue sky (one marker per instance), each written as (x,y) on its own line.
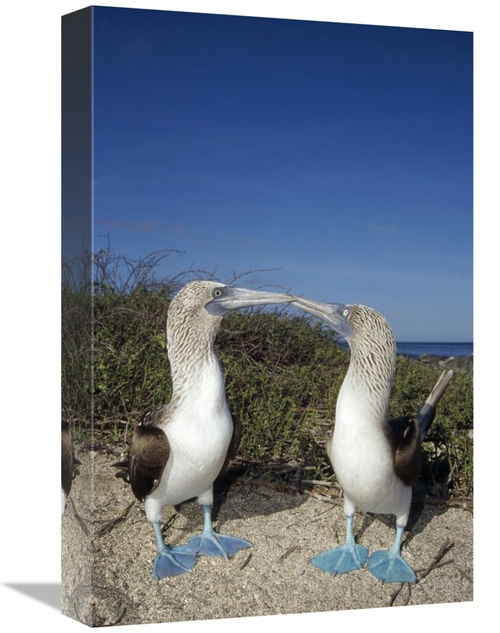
(340,156)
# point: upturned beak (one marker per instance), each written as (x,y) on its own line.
(226,299)
(334,314)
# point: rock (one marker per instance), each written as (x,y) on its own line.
(457,363)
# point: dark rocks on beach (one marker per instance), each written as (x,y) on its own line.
(457,363)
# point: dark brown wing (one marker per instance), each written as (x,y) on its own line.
(148,454)
(234,445)
(407,447)
(67,466)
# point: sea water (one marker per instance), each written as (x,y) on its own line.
(435,349)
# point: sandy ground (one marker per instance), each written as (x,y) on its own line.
(107,561)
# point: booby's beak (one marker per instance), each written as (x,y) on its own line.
(225,299)
(335,314)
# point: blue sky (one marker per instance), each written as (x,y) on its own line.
(335,160)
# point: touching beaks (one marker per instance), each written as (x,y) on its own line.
(226,299)
(334,314)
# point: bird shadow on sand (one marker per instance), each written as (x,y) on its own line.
(418,520)
(236,500)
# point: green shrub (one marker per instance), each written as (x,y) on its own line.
(283,374)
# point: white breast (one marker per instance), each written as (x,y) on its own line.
(363,459)
(199,433)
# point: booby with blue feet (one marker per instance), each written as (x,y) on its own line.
(375,460)
(179,449)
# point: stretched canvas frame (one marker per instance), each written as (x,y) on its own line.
(99,510)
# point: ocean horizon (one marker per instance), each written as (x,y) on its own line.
(434,349)
(415,350)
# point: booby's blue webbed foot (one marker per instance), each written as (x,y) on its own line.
(212,544)
(389,566)
(209,543)
(342,559)
(172,561)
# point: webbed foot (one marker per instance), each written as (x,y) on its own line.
(209,543)
(342,559)
(172,561)
(389,566)
(212,544)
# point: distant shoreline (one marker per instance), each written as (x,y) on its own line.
(432,353)
(443,350)
(457,363)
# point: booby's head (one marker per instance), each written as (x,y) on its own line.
(356,323)
(370,337)
(226,299)
(202,304)
(218,299)
(195,315)
(337,315)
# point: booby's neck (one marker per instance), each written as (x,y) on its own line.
(193,361)
(370,374)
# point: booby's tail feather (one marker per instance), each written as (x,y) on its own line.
(427,411)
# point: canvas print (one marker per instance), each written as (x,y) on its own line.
(266,316)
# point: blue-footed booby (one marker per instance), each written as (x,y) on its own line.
(177,452)
(376,461)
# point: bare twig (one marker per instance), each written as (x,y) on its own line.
(434,564)
(288,552)
(444,549)
(396,593)
(246,561)
(80,519)
(336,502)
(109,525)
(282,487)
(317,482)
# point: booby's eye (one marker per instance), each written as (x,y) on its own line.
(345,312)
(217,292)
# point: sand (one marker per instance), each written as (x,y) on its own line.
(108,552)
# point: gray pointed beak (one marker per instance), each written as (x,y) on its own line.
(226,299)
(334,314)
